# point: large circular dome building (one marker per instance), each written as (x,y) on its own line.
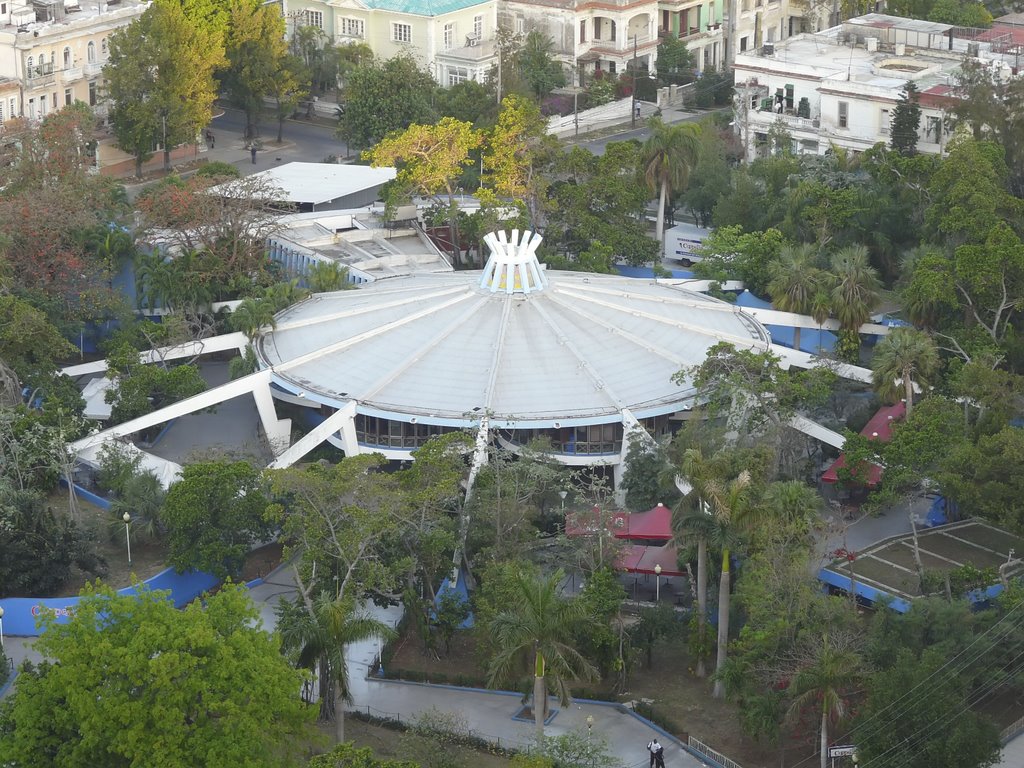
(518,350)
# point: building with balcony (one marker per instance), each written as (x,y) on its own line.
(603,37)
(55,50)
(453,39)
(515,352)
(698,23)
(840,87)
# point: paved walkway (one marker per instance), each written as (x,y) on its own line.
(488,713)
(1013,753)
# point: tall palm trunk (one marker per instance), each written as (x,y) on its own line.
(339,715)
(908,388)
(702,601)
(659,225)
(723,624)
(824,740)
(540,697)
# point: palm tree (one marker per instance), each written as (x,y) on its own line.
(696,518)
(668,156)
(284,294)
(538,626)
(906,354)
(794,282)
(317,633)
(324,276)
(791,501)
(251,316)
(729,505)
(825,682)
(855,292)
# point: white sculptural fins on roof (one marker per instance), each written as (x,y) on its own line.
(512,266)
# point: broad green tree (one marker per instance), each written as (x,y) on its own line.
(159,78)
(536,631)
(430,161)
(907,355)
(537,65)
(214,515)
(289,86)
(514,155)
(130,677)
(381,97)
(920,715)
(257,58)
(669,155)
(324,276)
(318,633)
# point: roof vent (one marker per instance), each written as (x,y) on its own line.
(512,266)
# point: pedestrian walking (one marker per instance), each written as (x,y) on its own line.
(638,110)
(659,757)
(252,151)
(210,139)
(655,749)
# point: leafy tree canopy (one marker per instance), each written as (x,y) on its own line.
(130,677)
(215,513)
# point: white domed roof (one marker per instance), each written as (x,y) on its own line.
(526,346)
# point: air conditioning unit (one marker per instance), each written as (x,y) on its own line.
(768,49)
(973,49)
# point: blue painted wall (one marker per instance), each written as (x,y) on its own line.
(20,612)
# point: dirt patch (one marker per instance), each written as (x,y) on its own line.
(682,702)
(149,556)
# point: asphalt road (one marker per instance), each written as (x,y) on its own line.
(304,142)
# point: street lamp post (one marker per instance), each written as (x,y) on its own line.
(562,495)
(657,583)
(632,106)
(575,96)
(590,727)
(127,536)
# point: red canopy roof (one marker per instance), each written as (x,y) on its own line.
(879,427)
(638,558)
(653,525)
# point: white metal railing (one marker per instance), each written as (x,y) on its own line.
(713,754)
(1011,731)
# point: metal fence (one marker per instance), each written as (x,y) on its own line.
(712,754)
(1011,731)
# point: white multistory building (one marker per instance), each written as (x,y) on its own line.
(841,86)
(52,52)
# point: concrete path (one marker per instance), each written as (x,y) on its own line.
(487,713)
(1013,753)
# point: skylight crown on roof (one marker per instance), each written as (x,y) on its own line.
(512,266)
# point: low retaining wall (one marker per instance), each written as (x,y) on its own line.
(20,613)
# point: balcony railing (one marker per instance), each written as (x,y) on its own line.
(623,46)
(39,75)
(93,69)
(71,74)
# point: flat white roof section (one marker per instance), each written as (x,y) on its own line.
(318,183)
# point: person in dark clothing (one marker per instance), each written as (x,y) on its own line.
(210,139)
(252,151)
(655,749)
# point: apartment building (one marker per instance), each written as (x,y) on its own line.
(840,87)
(453,39)
(53,51)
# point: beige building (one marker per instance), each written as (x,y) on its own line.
(453,39)
(54,50)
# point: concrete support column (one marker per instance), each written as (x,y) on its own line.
(278,431)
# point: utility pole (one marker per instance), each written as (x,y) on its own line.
(632,106)
(575,96)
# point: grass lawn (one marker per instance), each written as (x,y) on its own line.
(396,745)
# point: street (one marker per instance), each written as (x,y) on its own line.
(303,142)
